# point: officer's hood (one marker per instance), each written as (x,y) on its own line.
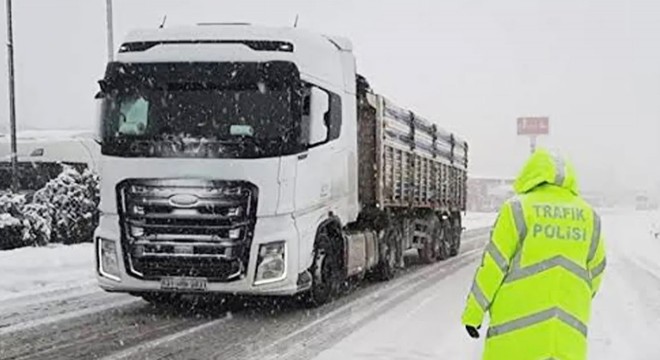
(544,167)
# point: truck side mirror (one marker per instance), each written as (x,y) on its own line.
(98,103)
(319,104)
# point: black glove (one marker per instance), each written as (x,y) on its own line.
(473,331)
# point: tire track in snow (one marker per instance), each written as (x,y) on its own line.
(18,318)
(99,334)
(140,349)
(23,324)
(42,296)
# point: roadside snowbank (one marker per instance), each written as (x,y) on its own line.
(35,270)
(475,220)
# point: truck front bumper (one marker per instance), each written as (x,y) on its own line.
(267,230)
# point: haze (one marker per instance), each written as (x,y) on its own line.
(474,66)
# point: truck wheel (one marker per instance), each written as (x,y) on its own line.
(326,271)
(427,253)
(388,249)
(443,237)
(455,230)
(435,246)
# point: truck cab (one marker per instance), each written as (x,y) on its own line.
(224,147)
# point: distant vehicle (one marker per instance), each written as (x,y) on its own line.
(595,199)
(644,202)
(247,160)
(42,153)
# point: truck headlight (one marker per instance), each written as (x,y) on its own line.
(108,262)
(271,263)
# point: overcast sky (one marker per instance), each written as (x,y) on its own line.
(593,67)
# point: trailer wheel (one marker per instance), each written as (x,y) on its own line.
(435,246)
(443,237)
(427,252)
(326,271)
(455,230)
(389,246)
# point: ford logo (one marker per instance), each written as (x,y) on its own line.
(183,200)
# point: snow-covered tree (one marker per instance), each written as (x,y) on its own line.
(63,211)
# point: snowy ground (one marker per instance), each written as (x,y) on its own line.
(625,322)
(33,271)
(478,220)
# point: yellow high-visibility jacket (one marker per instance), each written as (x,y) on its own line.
(542,267)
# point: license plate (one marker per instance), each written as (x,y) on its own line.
(183,284)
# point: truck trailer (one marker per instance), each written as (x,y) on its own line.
(246,160)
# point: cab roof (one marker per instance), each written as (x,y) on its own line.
(232,31)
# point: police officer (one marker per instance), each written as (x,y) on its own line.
(542,267)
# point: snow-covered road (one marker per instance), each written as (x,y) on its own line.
(625,322)
(415,316)
(626,318)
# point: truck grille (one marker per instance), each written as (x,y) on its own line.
(182,227)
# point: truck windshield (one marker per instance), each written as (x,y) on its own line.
(243,110)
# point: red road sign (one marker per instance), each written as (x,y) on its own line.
(533,126)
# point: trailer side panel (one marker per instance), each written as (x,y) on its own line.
(415,163)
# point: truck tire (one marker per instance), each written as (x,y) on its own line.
(444,241)
(455,231)
(326,271)
(389,248)
(436,246)
(427,253)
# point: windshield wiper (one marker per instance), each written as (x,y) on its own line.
(240,140)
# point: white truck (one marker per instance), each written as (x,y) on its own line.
(249,160)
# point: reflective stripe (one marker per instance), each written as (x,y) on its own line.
(530,320)
(519,219)
(572,321)
(521,226)
(560,169)
(598,269)
(595,238)
(479,296)
(497,256)
(518,273)
(516,262)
